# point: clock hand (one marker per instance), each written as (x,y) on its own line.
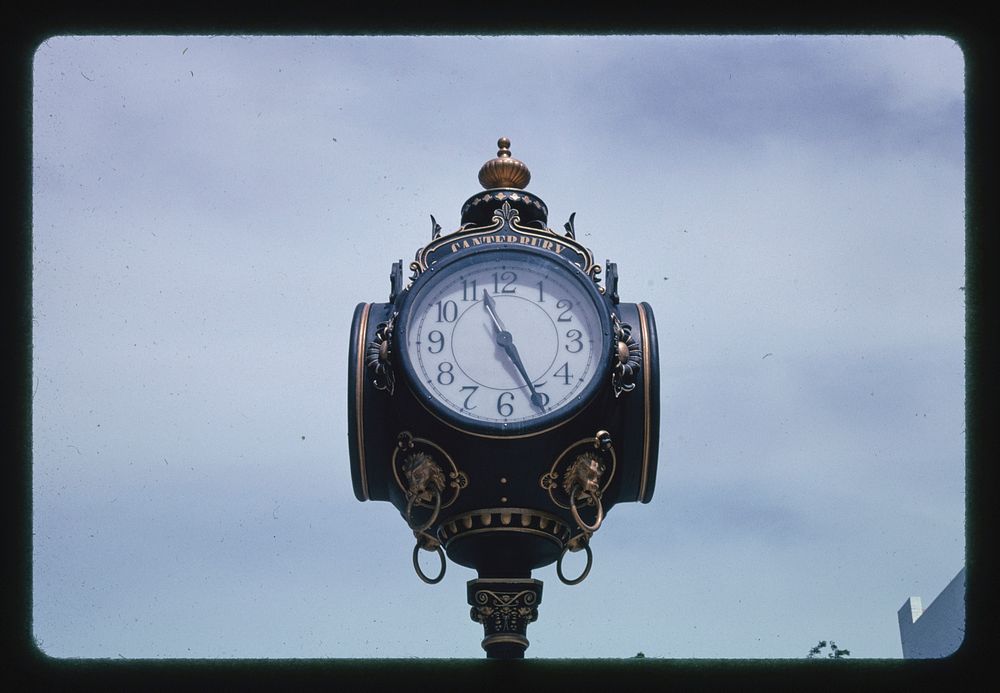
(491,308)
(506,340)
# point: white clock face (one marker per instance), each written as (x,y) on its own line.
(505,339)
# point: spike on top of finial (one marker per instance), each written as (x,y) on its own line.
(504,171)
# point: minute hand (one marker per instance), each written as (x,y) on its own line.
(506,340)
(491,308)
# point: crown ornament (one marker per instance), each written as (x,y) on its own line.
(504,171)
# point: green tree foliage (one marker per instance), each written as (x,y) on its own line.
(833,652)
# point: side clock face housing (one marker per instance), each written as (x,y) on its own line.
(507,341)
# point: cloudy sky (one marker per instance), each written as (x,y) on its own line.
(207,211)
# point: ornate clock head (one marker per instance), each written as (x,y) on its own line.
(502,350)
(505,341)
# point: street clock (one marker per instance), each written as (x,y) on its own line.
(503,399)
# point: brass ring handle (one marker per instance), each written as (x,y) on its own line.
(576,513)
(420,573)
(586,570)
(409,509)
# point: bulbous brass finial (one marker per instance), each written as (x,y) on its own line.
(504,171)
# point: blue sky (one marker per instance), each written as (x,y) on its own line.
(207,211)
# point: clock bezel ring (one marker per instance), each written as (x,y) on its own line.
(490,429)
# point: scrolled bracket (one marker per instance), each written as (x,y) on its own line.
(378,356)
(627,357)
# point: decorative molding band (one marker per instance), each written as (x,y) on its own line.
(514,520)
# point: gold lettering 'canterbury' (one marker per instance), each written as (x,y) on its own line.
(485,239)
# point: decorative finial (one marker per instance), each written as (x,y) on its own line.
(504,171)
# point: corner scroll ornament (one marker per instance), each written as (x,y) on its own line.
(378,356)
(627,359)
(506,227)
(570,226)
(415,270)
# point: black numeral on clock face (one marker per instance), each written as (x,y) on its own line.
(445,375)
(566,306)
(564,373)
(505,408)
(435,338)
(508,287)
(466,405)
(575,344)
(447,311)
(468,290)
